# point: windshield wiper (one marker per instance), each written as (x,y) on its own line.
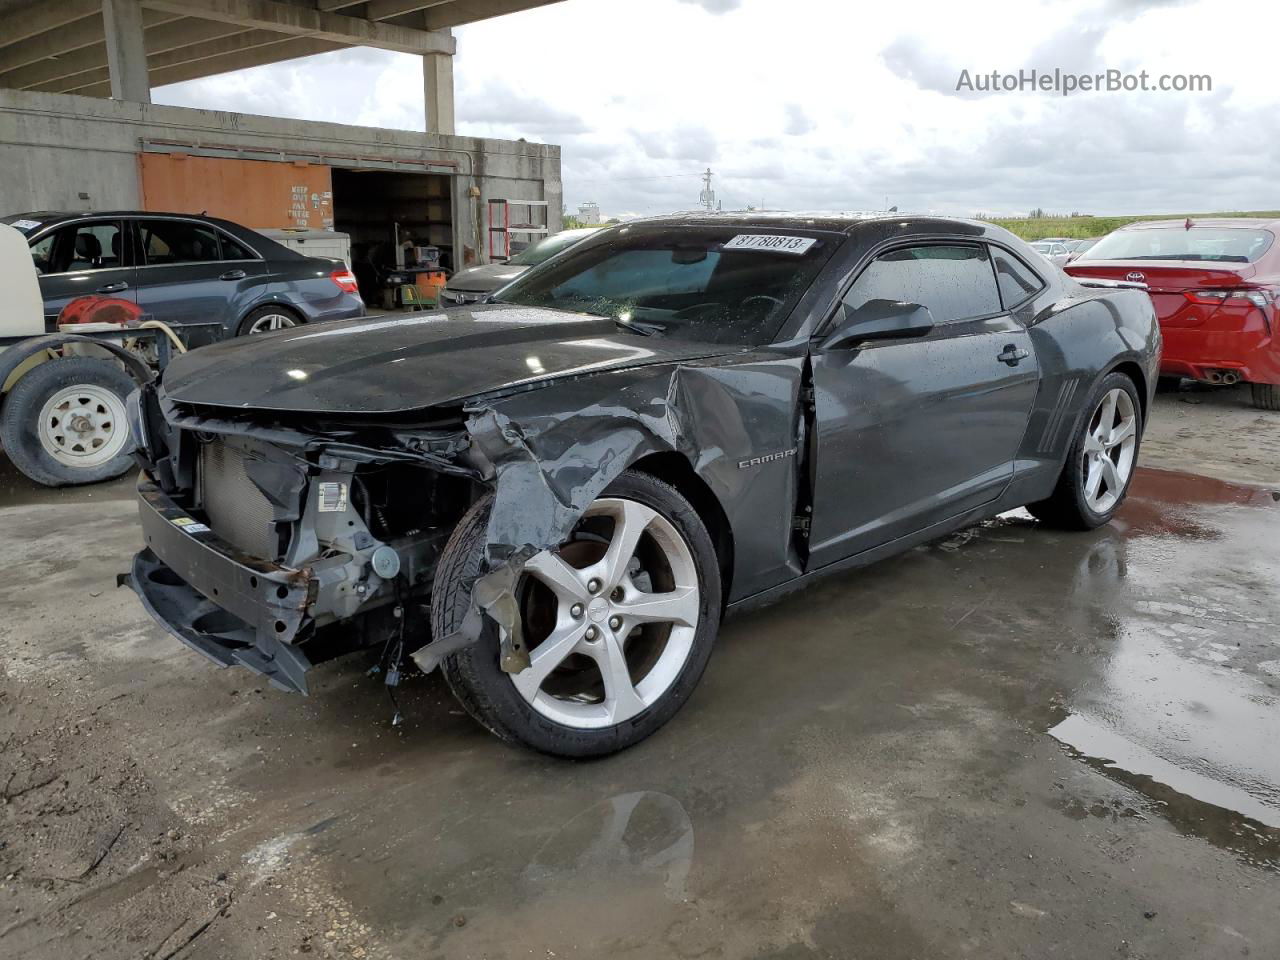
(639,326)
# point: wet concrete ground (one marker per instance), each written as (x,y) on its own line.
(1010,743)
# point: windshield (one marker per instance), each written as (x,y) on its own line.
(545,249)
(1042,247)
(731,285)
(1230,244)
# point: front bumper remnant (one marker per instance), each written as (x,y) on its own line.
(231,608)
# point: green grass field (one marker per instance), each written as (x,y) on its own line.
(1041,227)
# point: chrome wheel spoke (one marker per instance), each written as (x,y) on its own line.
(1093,481)
(1126,429)
(629,524)
(679,606)
(1109,475)
(550,654)
(563,580)
(621,699)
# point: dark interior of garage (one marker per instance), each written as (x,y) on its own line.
(395,221)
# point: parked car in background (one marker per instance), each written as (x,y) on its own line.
(1215,285)
(183,269)
(684,415)
(1055,251)
(475,283)
(1076,248)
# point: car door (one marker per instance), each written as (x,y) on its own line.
(184,278)
(80,258)
(912,432)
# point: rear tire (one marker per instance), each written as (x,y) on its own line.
(1084,497)
(268,319)
(566,721)
(1266,396)
(64,422)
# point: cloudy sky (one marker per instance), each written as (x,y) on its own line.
(833,105)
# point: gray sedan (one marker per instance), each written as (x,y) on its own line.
(184,269)
(475,283)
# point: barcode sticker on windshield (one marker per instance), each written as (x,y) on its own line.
(333,497)
(25,224)
(796,246)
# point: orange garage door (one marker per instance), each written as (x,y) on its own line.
(256,193)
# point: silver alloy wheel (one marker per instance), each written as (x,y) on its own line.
(272,321)
(83,426)
(1109,447)
(599,609)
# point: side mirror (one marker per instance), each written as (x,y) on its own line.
(878,320)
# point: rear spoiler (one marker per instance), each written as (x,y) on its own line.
(1106,284)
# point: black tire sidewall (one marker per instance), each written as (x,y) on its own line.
(22,411)
(1073,475)
(487,692)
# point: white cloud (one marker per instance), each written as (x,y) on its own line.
(833,105)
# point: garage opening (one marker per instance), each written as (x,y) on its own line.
(398,223)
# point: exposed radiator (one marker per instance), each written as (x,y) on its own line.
(237,510)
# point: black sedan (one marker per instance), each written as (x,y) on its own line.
(184,269)
(556,497)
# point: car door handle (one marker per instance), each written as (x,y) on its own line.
(233,275)
(1012,355)
(113,287)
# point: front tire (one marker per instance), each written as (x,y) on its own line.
(1100,464)
(619,622)
(64,422)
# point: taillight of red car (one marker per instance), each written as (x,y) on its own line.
(1262,297)
(345,279)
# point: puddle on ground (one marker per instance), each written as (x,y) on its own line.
(1183,707)
(1093,741)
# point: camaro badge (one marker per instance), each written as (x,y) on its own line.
(767,458)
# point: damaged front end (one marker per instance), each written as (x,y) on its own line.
(279,545)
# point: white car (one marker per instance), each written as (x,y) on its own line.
(1055,251)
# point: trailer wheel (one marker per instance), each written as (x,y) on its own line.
(64,422)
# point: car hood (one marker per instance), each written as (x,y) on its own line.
(484,279)
(398,364)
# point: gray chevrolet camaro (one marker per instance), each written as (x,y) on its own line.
(556,497)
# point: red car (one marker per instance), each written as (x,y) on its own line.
(1216,289)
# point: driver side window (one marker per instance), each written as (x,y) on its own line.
(955,281)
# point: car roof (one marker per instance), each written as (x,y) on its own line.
(47,217)
(827,221)
(1241,223)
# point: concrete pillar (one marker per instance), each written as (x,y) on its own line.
(126,50)
(437,77)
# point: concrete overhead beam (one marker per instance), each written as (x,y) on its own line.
(311,23)
(382,9)
(39,18)
(181,56)
(80,68)
(456,13)
(58,43)
(288,48)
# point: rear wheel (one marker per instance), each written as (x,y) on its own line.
(64,422)
(1266,396)
(619,622)
(267,320)
(1101,461)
